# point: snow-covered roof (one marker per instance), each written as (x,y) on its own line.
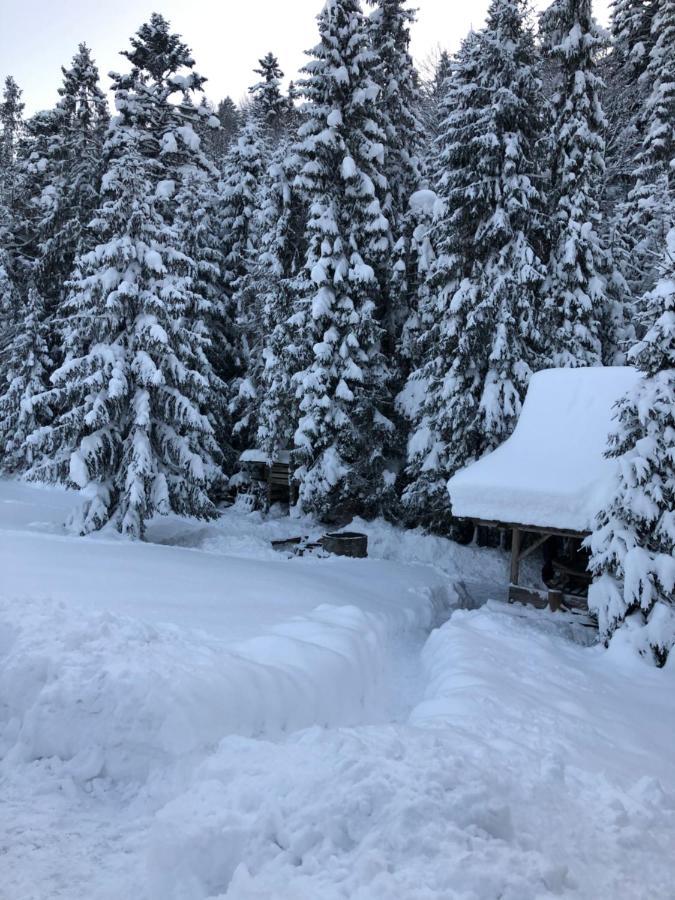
(259,456)
(552,470)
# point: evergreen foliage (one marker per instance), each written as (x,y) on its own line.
(631,23)
(270,107)
(25,377)
(646,216)
(59,173)
(240,194)
(343,426)
(575,290)
(133,393)
(281,257)
(633,545)
(365,279)
(390,25)
(11,117)
(488,275)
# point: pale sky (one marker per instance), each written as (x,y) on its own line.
(226,36)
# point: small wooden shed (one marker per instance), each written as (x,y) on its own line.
(548,481)
(275,473)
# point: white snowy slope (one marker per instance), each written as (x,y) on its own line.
(200,718)
(224,578)
(552,470)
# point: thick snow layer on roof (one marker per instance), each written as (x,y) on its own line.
(552,470)
(259,456)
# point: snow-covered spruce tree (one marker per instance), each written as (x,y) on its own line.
(135,389)
(429,339)
(270,107)
(11,117)
(646,216)
(623,101)
(58,171)
(242,175)
(7,293)
(39,184)
(399,102)
(11,131)
(412,269)
(25,376)
(488,274)
(239,216)
(343,428)
(433,88)
(631,24)
(217,141)
(199,238)
(633,544)
(575,291)
(81,118)
(280,260)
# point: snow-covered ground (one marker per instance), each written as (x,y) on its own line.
(200,717)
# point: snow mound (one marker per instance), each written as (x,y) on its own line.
(522,775)
(552,470)
(112,697)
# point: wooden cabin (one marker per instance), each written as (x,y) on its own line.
(275,473)
(547,482)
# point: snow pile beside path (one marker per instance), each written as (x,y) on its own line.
(482,573)
(535,768)
(373,814)
(113,697)
(511,677)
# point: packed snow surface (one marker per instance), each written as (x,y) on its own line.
(199,717)
(552,470)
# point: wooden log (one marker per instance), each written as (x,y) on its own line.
(529,596)
(556,600)
(346,543)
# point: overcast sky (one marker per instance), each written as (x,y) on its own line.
(227,36)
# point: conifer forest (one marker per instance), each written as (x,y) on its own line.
(441,292)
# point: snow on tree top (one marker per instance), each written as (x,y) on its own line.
(423,201)
(552,470)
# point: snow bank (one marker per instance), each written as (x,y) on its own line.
(552,470)
(113,697)
(535,768)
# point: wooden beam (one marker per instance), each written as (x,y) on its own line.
(515,556)
(549,530)
(555,599)
(534,545)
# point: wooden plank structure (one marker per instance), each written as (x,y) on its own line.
(276,474)
(567,585)
(544,485)
(279,483)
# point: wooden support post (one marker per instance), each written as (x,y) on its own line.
(555,599)
(515,555)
